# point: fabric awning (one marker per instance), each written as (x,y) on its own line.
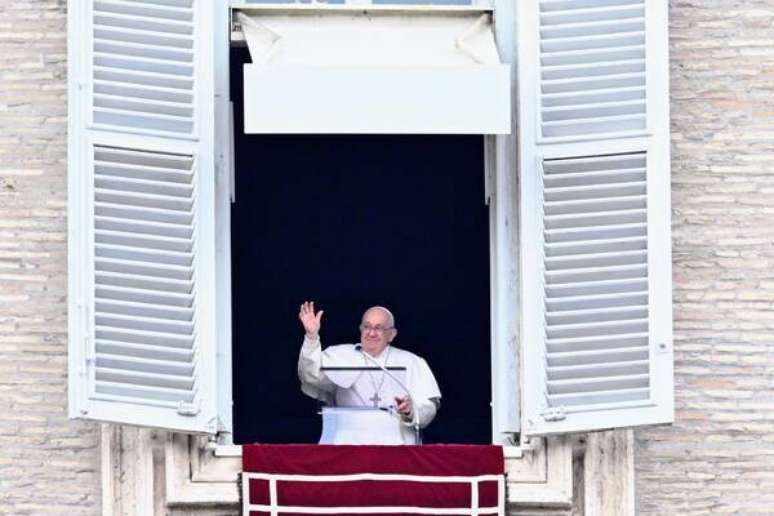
(374,73)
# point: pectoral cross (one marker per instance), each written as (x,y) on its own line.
(376,399)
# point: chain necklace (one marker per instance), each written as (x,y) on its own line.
(377,389)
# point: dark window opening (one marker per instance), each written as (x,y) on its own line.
(352,221)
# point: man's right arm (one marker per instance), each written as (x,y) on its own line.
(314,383)
(309,364)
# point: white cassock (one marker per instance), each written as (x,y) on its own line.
(369,389)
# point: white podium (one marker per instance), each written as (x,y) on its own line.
(363,425)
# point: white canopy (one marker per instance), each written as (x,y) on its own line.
(374,72)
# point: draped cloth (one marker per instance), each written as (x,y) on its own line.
(287,478)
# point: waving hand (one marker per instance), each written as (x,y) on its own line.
(309,319)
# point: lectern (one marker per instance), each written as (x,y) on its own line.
(363,424)
(360,425)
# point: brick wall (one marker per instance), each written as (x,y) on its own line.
(48,464)
(719,456)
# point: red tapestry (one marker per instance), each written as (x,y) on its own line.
(290,480)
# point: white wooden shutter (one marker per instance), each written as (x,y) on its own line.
(595,221)
(141,213)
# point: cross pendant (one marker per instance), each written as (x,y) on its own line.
(376,399)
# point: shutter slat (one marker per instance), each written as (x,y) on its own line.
(574,70)
(595,260)
(599,399)
(184,4)
(148,324)
(142,37)
(142,172)
(141,254)
(152,338)
(604,245)
(145,242)
(163,67)
(144,351)
(143,282)
(129,212)
(158,311)
(576,99)
(600,124)
(134,159)
(104,374)
(550,46)
(595,232)
(594,163)
(585,274)
(594,190)
(591,329)
(136,185)
(121,103)
(156,122)
(129,391)
(143,78)
(589,56)
(597,356)
(631,25)
(607,383)
(576,6)
(563,179)
(597,301)
(600,218)
(147,50)
(165,26)
(139,268)
(143,227)
(166,367)
(606,286)
(140,91)
(596,204)
(155,242)
(599,370)
(597,342)
(590,110)
(583,84)
(143,296)
(163,202)
(593,315)
(147,9)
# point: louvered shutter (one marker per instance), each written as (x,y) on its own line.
(595,221)
(141,213)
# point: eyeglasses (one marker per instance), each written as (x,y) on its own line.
(365,328)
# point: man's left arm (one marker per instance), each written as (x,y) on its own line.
(426,396)
(426,409)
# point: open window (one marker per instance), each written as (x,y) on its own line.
(579,250)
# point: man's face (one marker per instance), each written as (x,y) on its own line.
(376,331)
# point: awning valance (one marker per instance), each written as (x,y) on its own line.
(374,73)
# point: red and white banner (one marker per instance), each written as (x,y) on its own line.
(290,480)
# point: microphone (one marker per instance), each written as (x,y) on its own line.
(414,410)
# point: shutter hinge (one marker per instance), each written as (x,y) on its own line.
(187,409)
(554,414)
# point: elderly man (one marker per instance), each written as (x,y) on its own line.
(370,388)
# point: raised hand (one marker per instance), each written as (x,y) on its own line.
(309,319)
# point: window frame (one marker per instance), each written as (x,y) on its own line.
(500,177)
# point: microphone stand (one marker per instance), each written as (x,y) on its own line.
(414,410)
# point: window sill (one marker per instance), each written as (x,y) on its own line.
(235,450)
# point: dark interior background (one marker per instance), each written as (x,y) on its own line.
(353,221)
